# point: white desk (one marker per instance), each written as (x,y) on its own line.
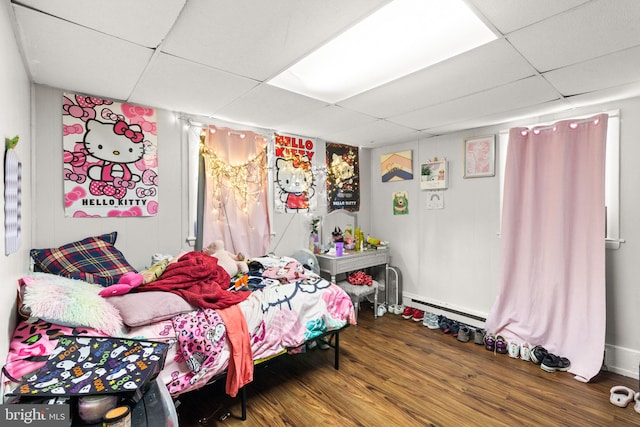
(352,261)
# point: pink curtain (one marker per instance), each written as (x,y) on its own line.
(235,201)
(552,276)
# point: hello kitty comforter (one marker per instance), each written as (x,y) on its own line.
(277,318)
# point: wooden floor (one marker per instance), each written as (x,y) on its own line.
(396,372)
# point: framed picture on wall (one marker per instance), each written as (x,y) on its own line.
(479,156)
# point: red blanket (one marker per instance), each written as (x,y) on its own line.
(199,280)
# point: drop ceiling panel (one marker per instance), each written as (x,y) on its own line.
(259,38)
(65,55)
(511,15)
(526,92)
(325,121)
(145,22)
(482,68)
(601,73)
(375,134)
(269,106)
(595,29)
(175,84)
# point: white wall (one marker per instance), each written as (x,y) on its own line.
(450,257)
(15,113)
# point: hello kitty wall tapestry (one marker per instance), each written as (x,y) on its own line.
(343,181)
(110,158)
(295,177)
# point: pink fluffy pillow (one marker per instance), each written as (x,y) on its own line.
(69,302)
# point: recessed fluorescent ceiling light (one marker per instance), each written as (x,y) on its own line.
(400,38)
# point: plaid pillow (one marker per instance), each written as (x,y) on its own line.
(93,260)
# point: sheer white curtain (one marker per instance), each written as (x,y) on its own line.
(552,276)
(235,207)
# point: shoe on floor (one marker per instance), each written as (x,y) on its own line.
(381,310)
(489,342)
(431,321)
(514,349)
(418,315)
(478,336)
(501,345)
(525,351)
(408,312)
(621,396)
(553,363)
(537,354)
(464,334)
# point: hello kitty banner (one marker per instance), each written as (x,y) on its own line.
(343,180)
(295,180)
(110,158)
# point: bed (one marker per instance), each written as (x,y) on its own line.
(214,331)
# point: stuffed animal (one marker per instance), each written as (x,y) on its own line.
(232,263)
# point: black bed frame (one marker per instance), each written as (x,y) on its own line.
(331,338)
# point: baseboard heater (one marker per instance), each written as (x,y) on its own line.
(474,317)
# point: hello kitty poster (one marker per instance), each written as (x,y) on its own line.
(110,158)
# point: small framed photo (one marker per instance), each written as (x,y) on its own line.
(433,175)
(479,156)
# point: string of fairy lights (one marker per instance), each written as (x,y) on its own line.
(243,181)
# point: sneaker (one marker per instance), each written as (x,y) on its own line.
(418,315)
(478,336)
(431,321)
(489,341)
(553,363)
(514,349)
(398,309)
(537,354)
(381,310)
(525,351)
(463,334)
(408,312)
(501,345)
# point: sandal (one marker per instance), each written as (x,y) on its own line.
(501,345)
(489,342)
(538,354)
(552,363)
(621,396)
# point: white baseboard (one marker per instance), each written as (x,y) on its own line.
(452,311)
(620,360)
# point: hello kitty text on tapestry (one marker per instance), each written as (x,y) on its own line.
(110,158)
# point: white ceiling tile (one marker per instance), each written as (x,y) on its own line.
(259,38)
(375,134)
(606,71)
(326,120)
(184,86)
(511,15)
(67,56)
(594,29)
(482,68)
(145,22)
(519,115)
(269,106)
(529,91)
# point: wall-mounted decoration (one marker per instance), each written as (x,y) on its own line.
(12,197)
(343,180)
(400,203)
(396,166)
(435,199)
(295,179)
(110,158)
(479,156)
(434,174)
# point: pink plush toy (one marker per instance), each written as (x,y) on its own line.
(231,263)
(127,282)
